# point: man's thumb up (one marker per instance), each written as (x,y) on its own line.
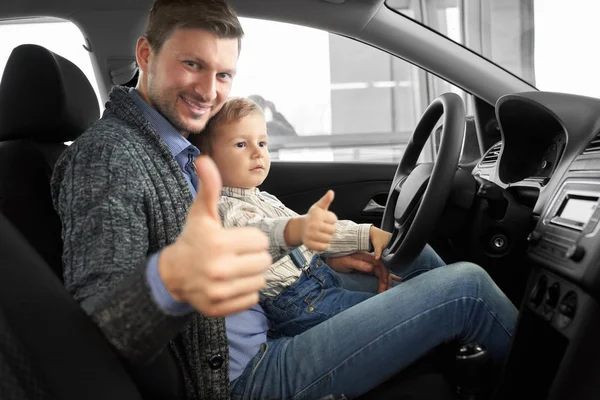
(209,190)
(325,201)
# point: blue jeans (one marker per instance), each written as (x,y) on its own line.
(359,348)
(314,297)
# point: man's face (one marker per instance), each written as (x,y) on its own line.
(190,77)
(240,151)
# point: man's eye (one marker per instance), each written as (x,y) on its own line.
(191,64)
(240,145)
(224,75)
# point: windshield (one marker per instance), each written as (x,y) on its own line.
(548,43)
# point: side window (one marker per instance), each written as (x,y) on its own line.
(327,97)
(57,35)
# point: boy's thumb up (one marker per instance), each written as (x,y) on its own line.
(209,190)
(325,201)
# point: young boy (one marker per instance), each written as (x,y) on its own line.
(301,290)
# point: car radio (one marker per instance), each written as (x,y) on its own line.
(567,234)
(575,210)
(558,323)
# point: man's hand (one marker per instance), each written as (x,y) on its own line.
(217,271)
(366,263)
(379,239)
(319,224)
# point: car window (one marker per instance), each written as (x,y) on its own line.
(547,43)
(57,35)
(330,98)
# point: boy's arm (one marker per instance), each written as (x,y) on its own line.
(349,237)
(236,213)
(314,229)
(293,231)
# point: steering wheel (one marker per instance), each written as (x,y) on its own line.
(419,193)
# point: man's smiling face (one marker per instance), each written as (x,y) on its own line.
(189,78)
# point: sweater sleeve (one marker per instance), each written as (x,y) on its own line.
(100,199)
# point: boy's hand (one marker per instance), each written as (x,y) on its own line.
(319,224)
(379,239)
(366,263)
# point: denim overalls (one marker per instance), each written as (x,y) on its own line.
(313,298)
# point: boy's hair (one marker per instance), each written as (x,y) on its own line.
(234,109)
(214,16)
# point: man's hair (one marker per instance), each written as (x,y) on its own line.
(214,16)
(234,110)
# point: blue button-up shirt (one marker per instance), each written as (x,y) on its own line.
(246,330)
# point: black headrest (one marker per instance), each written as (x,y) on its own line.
(44,97)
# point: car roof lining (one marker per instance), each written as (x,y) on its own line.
(369,21)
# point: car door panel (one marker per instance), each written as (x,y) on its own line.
(357,185)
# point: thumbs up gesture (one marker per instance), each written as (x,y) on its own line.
(319,224)
(217,271)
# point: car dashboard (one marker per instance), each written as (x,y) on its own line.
(551,145)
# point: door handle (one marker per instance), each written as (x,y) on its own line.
(373,207)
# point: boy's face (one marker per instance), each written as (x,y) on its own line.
(189,78)
(240,151)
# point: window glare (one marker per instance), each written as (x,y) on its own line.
(329,98)
(548,43)
(288,63)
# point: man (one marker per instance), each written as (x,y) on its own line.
(152,266)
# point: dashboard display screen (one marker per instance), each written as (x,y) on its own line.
(578,209)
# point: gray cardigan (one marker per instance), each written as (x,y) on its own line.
(121,196)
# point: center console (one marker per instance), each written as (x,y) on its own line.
(556,352)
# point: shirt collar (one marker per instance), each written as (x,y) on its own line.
(172,138)
(239,192)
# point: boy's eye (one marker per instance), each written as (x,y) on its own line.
(262,144)
(240,145)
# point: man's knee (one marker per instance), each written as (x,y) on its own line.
(466,274)
(429,259)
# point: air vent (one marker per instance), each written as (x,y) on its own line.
(492,155)
(594,146)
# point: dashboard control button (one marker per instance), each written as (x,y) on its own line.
(534,237)
(567,309)
(545,164)
(591,225)
(575,252)
(539,289)
(552,295)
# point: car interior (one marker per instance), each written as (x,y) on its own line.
(514,186)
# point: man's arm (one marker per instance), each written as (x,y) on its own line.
(99,198)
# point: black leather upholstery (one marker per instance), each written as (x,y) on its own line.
(44,97)
(50,347)
(45,100)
